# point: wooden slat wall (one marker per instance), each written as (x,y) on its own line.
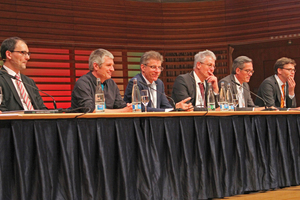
(127,26)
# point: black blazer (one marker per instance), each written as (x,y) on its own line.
(11,100)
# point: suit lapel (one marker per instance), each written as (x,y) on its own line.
(13,89)
(233,86)
(278,93)
(192,89)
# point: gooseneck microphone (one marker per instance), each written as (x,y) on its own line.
(265,103)
(13,77)
(176,109)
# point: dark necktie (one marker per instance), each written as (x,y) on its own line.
(202,91)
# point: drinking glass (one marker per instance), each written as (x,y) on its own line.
(1,95)
(145,98)
(235,98)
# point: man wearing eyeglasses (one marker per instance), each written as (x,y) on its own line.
(279,90)
(151,68)
(242,70)
(17,94)
(196,82)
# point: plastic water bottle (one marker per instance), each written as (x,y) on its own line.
(136,97)
(99,98)
(222,98)
(229,98)
(210,99)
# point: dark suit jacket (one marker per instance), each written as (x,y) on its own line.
(162,101)
(11,100)
(185,86)
(247,95)
(269,90)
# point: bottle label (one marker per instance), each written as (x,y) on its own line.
(137,107)
(100,108)
(226,106)
(211,106)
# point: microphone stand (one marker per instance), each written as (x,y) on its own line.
(265,103)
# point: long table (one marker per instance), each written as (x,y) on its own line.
(178,155)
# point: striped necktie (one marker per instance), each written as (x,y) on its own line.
(282,96)
(23,93)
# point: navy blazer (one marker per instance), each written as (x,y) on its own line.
(162,101)
(11,100)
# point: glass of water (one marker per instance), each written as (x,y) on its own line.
(1,95)
(145,98)
(235,98)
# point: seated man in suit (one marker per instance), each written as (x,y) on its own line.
(196,82)
(150,70)
(19,91)
(242,70)
(279,90)
(101,65)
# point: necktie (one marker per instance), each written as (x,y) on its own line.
(23,93)
(202,91)
(282,96)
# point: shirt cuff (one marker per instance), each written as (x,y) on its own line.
(292,96)
(168,109)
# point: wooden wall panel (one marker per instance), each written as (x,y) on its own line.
(264,56)
(128,26)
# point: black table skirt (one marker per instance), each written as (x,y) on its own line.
(171,158)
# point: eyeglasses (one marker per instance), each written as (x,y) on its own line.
(154,67)
(248,71)
(25,53)
(290,70)
(209,65)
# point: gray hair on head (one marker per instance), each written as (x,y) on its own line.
(200,57)
(239,63)
(98,56)
(151,55)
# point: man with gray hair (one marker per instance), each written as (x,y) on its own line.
(196,82)
(101,65)
(242,70)
(148,80)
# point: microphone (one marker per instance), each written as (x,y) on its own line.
(176,109)
(265,103)
(13,77)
